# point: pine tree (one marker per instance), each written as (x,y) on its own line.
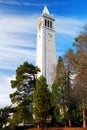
(62,89)
(59,89)
(22,97)
(41,101)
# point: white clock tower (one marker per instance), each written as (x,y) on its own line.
(46,50)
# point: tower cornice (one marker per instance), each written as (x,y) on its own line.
(46,16)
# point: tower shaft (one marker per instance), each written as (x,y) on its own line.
(46,50)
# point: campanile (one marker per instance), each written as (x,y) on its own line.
(46,50)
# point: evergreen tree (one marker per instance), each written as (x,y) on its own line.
(59,90)
(22,97)
(41,101)
(4,115)
(69,59)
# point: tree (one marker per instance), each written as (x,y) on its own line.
(25,85)
(69,59)
(41,100)
(80,80)
(77,66)
(4,115)
(59,90)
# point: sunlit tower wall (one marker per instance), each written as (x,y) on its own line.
(46,50)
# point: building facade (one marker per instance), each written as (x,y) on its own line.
(46,50)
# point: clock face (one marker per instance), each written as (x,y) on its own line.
(50,35)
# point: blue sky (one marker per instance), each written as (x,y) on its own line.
(18,22)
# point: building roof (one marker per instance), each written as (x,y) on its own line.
(45,10)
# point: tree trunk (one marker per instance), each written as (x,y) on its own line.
(84,120)
(70,125)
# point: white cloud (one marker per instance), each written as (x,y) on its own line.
(16,2)
(69,26)
(5,89)
(11,2)
(17,24)
(10,58)
(26,3)
(13,40)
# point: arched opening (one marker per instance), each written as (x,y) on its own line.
(45,22)
(50,24)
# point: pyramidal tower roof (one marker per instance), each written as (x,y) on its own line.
(45,10)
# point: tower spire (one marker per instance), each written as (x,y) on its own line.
(45,10)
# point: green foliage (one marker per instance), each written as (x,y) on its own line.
(41,100)
(22,114)
(57,114)
(59,90)
(4,115)
(7,128)
(25,84)
(62,90)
